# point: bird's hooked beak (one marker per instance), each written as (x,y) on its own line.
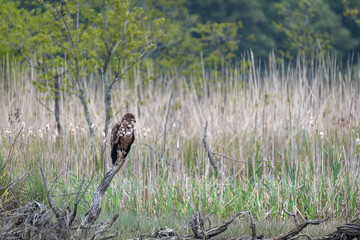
(134,121)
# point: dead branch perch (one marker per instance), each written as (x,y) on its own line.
(95,209)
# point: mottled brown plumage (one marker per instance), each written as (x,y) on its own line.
(122,136)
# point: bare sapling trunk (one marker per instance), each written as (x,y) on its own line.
(86,109)
(209,153)
(57,102)
(107,103)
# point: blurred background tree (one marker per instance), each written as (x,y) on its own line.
(79,37)
(222,31)
(310,28)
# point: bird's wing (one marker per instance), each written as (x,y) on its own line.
(116,132)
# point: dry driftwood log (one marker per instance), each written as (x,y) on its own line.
(347,231)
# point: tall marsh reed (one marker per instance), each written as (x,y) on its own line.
(279,133)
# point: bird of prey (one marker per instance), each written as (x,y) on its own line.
(122,136)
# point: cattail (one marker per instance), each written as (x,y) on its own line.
(93,126)
(104,141)
(103,134)
(358,141)
(148,130)
(72,131)
(8,133)
(174,124)
(23,124)
(40,134)
(321,135)
(30,133)
(312,121)
(82,131)
(144,134)
(56,133)
(144,129)
(70,127)
(47,127)
(135,129)
(54,138)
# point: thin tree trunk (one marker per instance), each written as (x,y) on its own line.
(57,103)
(107,103)
(86,109)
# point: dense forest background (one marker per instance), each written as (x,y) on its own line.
(286,26)
(222,31)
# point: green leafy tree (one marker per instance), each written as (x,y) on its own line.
(33,35)
(82,37)
(219,41)
(309,27)
(177,48)
(123,34)
(351,11)
(255,15)
(187,39)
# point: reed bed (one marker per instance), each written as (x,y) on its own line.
(278,132)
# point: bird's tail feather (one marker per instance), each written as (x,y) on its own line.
(114,155)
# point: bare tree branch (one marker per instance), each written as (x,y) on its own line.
(212,161)
(105,227)
(290,213)
(73,215)
(252,226)
(52,207)
(11,148)
(120,73)
(298,229)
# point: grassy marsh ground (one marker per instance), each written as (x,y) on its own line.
(290,134)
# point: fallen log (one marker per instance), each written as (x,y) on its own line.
(347,231)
